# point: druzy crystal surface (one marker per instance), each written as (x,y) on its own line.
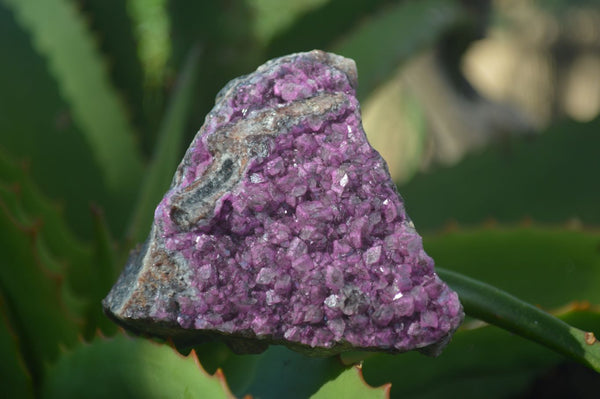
(282,225)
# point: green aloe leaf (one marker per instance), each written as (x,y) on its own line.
(553,266)
(482,362)
(168,149)
(151,26)
(50,282)
(393,35)
(549,267)
(87,273)
(38,131)
(30,204)
(113,27)
(546,178)
(59,32)
(497,307)
(12,367)
(350,384)
(34,295)
(97,279)
(278,372)
(240,370)
(124,367)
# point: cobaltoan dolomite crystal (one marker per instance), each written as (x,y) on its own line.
(282,225)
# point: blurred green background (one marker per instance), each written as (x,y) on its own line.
(487,113)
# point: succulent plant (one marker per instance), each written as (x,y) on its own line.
(93,128)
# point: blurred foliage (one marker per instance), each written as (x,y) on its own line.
(548,179)
(99,101)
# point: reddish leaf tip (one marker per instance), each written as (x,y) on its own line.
(385,387)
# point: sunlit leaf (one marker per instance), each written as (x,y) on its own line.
(58,32)
(124,367)
(350,384)
(113,29)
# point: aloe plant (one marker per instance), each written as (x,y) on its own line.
(91,136)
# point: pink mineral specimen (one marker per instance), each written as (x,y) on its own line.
(282,226)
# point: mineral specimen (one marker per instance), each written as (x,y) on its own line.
(282,226)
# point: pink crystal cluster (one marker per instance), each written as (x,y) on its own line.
(313,245)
